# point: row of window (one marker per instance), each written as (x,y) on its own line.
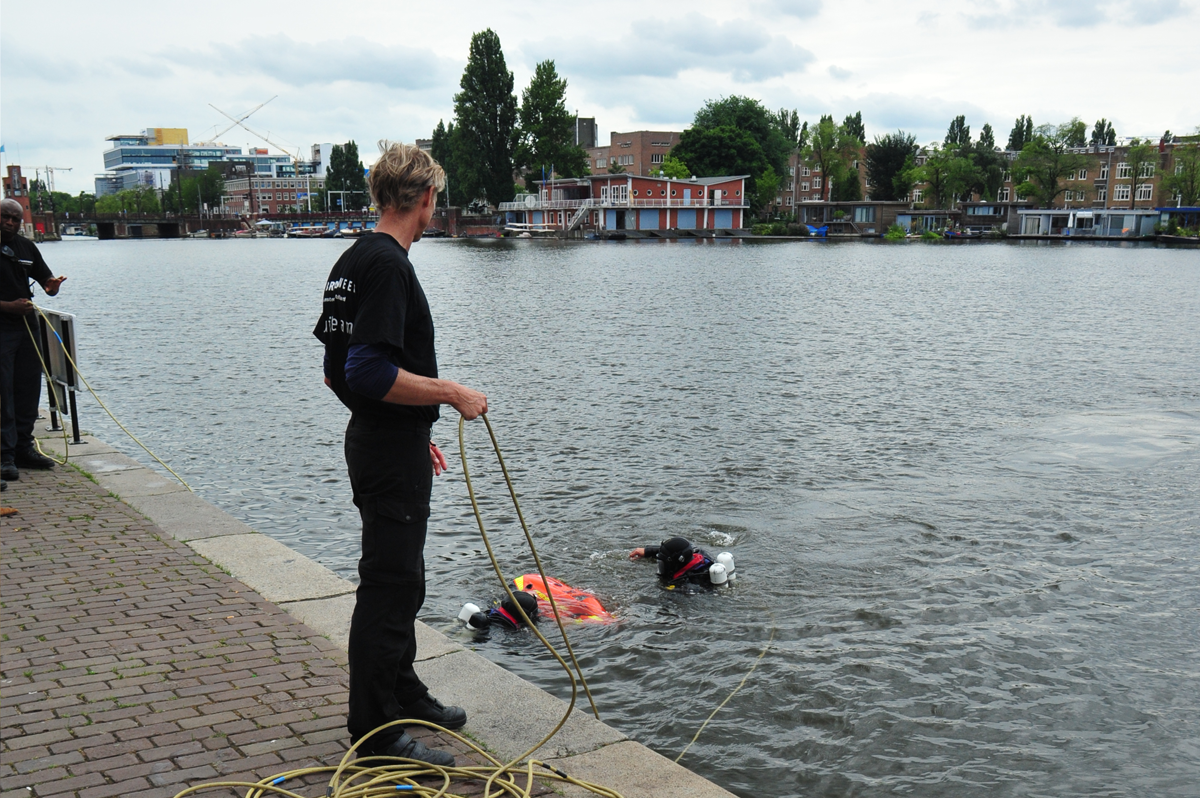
(1144,192)
(288,183)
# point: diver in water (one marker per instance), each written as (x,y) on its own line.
(502,613)
(680,561)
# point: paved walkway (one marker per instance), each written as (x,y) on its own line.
(131,666)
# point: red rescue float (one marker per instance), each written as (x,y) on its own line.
(574,603)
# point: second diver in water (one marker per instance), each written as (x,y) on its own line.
(681,562)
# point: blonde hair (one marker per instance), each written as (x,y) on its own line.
(401,175)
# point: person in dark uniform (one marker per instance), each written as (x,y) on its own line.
(678,561)
(380,361)
(20,367)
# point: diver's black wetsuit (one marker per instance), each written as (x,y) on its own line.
(695,570)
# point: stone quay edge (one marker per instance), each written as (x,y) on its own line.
(508,715)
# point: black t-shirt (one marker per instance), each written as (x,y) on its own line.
(15,273)
(373,297)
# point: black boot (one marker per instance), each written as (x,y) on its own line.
(32,458)
(405,747)
(429,709)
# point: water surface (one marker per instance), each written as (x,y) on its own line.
(960,482)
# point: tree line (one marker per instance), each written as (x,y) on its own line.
(492,136)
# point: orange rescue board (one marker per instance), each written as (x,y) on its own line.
(574,604)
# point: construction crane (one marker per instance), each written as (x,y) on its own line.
(240,119)
(49,170)
(295,157)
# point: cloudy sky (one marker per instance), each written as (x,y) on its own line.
(72,73)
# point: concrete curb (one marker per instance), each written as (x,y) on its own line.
(507,714)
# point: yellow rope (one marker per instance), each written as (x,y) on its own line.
(375,776)
(96,396)
(766,648)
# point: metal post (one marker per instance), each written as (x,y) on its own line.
(67,335)
(52,399)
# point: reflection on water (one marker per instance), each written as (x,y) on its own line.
(960,482)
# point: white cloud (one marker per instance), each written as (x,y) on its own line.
(371,69)
(668,48)
(304,64)
(801,9)
(1077,13)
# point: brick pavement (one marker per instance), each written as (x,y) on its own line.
(131,666)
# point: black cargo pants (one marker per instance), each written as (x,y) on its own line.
(392,478)
(20,386)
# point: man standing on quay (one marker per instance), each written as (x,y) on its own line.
(20,368)
(380,361)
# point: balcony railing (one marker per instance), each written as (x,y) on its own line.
(632,202)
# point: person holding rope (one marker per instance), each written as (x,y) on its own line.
(20,367)
(379,360)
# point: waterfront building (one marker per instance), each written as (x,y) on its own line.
(639,153)
(620,202)
(155,157)
(16,186)
(586,132)
(1085,222)
(257,195)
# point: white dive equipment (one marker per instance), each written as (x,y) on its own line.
(716,574)
(726,559)
(473,617)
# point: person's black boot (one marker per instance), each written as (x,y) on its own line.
(406,747)
(9,472)
(429,709)
(32,458)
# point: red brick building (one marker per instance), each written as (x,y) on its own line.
(272,195)
(640,152)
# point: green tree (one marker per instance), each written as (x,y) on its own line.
(736,136)
(749,115)
(1075,133)
(947,176)
(615,168)
(768,184)
(987,139)
(788,123)
(830,149)
(1103,134)
(547,132)
(725,150)
(853,125)
(1141,159)
(485,120)
(1022,133)
(1184,180)
(887,157)
(673,167)
(1043,162)
(131,200)
(442,150)
(345,182)
(959,134)
(846,185)
(989,167)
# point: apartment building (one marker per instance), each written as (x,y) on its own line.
(639,153)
